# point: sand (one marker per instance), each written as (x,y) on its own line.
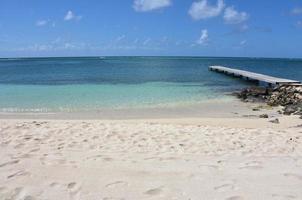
(201,158)
(224,108)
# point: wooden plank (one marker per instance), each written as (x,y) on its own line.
(253,76)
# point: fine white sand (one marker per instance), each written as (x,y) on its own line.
(229,159)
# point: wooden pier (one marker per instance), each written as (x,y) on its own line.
(251,76)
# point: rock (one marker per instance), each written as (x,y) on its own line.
(253,94)
(285,95)
(256,109)
(299,112)
(290,109)
(289,96)
(275,121)
(263,116)
(295,109)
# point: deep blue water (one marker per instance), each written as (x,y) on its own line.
(90,83)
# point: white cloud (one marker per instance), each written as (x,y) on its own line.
(201,9)
(297,11)
(41,22)
(71,16)
(232,16)
(204,37)
(46,23)
(148,5)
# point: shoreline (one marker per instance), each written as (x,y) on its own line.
(227,113)
(247,123)
(230,108)
(218,150)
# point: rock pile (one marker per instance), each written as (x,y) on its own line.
(285,95)
(253,94)
(288,96)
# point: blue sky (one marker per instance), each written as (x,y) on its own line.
(255,28)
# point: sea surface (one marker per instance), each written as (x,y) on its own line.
(96,83)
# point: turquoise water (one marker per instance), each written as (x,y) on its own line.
(85,97)
(93,83)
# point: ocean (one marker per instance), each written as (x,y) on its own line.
(78,84)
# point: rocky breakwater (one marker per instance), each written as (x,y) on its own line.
(288,96)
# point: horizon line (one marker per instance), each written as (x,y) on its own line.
(100,56)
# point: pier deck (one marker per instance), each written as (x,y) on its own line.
(270,80)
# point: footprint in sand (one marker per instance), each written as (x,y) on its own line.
(108,159)
(224,187)
(115,184)
(9,163)
(234,198)
(71,185)
(95,137)
(19,173)
(74,190)
(252,165)
(26,155)
(155,191)
(54,185)
(34,150)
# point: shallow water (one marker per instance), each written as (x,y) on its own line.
(93,83)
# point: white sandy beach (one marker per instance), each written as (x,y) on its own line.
(150,100)
(200,158)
